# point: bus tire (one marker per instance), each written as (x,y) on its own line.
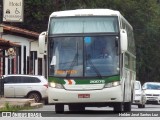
(76,108)
(118,107)
(59,108)
(127,106)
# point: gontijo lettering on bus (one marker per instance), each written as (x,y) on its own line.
(97,81)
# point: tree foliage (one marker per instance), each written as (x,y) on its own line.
(144,16)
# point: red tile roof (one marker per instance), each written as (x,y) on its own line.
(6,43)
(19,30)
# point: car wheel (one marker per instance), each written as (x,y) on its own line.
(141,106)
(36,96)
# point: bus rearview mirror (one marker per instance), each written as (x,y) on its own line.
(124,41)
(41,41)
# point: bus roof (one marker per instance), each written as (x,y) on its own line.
(86,12)
(89,12)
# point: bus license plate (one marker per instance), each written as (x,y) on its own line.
(83,95)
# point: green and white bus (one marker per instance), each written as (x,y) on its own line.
(91,59)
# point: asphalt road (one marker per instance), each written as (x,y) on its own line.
(149,107)
(93,113)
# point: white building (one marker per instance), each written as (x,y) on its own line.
(27,59)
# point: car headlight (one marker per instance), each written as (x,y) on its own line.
(56,85)
(112,84)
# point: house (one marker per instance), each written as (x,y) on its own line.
(26,58)
(4,46)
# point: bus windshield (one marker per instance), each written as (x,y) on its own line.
(94,24)
(94,56)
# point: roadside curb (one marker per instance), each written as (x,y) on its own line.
(36,105)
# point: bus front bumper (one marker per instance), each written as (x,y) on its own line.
(106,95)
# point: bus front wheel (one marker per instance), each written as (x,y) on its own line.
(118,107)
(127,106)
(76,108)
(59,108)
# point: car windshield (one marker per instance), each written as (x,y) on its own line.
(137,86)
(153,86)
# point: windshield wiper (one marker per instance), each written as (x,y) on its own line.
(72,65)
(95,69)
(75,60)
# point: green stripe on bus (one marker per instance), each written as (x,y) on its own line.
(86,80)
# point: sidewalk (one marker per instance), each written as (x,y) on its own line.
(21,102)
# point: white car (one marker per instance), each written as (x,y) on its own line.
(29,86)
(139,98)
(152,92)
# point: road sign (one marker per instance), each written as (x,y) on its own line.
(13,10)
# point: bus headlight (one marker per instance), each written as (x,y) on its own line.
(56,85)
(112,84)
